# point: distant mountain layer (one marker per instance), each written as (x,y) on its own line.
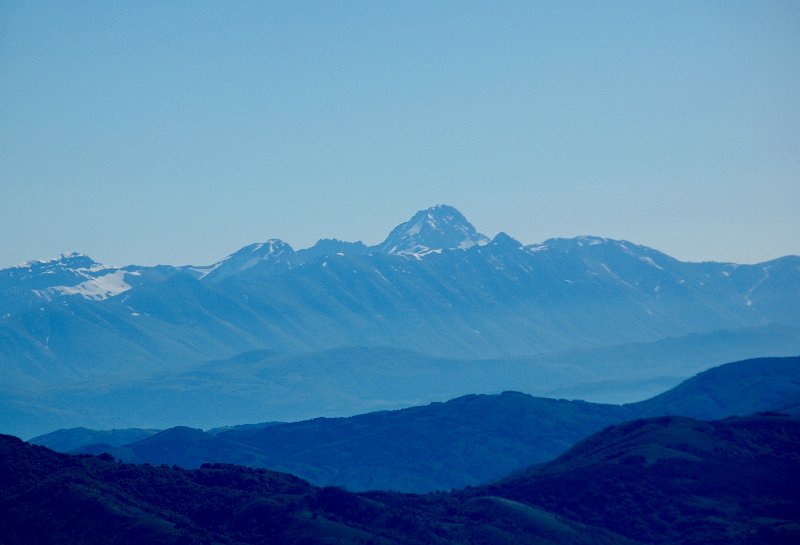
(76,438)
(268,386)
(664,481)
(466,441)
(435,286)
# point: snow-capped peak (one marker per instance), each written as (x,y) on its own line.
(272,252)
(438,228)
(72,261)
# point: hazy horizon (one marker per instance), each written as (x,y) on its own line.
(177,133)
(372,241)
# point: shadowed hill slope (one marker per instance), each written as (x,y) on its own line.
(739,388)
(663,481)
(92,500)
(676,480)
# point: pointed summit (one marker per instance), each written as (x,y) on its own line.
(504,240)
(438,228)
(273,253)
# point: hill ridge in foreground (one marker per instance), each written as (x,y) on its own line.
(712,482)
(675,479)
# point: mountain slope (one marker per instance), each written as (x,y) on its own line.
(675,480)
(659,481)
(74,438)
(435,285)
(738,388)
(464,441)
(272,255)
(95,500)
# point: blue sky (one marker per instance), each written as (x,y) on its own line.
(177,132)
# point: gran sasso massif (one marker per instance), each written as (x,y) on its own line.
(434,311)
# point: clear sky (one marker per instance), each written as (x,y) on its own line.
(177,132)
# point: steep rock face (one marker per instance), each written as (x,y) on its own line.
(431,231)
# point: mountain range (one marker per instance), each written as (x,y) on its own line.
(437,310)
(470,440)
(434,285)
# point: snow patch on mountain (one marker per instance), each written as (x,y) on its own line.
(649,261)
(588,240)
(535,248)
(98,288)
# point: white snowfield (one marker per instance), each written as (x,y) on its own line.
(98,288)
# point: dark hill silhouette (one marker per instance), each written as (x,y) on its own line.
(676,480)
(739,388)
(662,481)
(74,438)
(468,440)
